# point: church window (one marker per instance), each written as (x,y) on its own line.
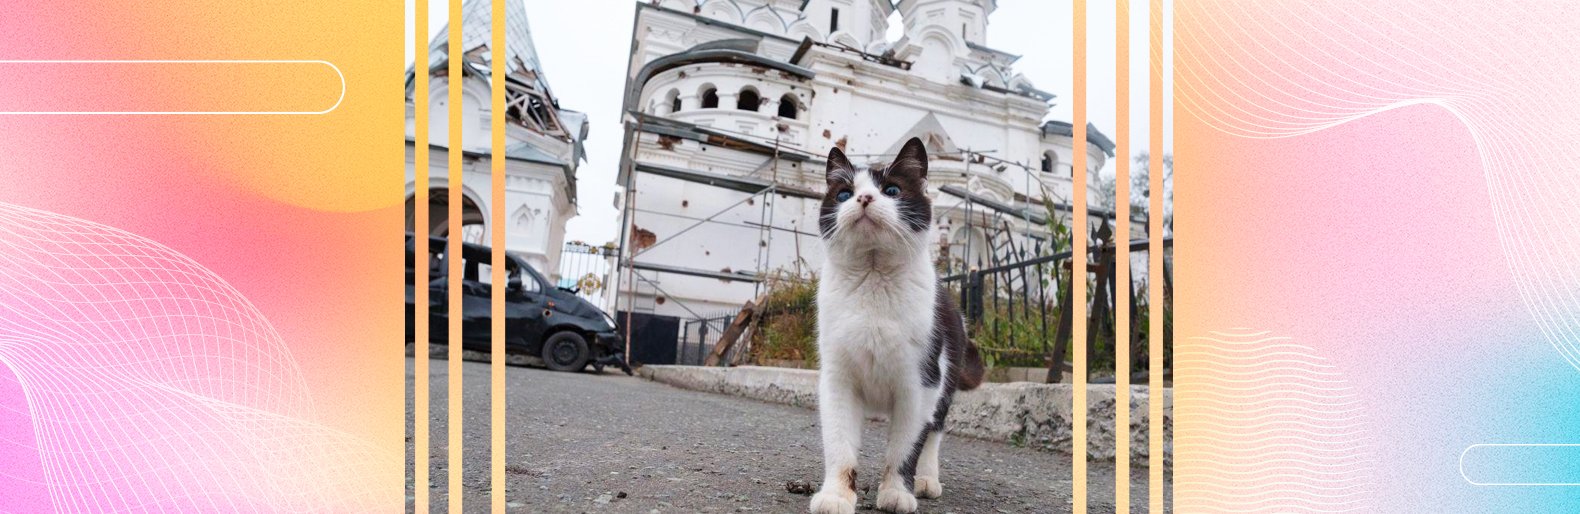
(787,107)
(748,100)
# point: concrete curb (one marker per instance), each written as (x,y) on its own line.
(1021,413)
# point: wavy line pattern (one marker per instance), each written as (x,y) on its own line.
(1284,68)
(153,385)
(1259,433)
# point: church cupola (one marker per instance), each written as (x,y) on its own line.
(966,19)
(939,33)
(853,23)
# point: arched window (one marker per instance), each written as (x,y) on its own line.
(674,101)
(788,107)
(710,98)
(1048,160)
(748,100)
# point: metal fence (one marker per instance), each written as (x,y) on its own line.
(586,268)
(1021,314)
(699,335)
(1019,311)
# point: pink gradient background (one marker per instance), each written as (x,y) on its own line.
(1375,181)
(301,214)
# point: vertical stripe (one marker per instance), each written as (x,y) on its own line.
(496,372)
(1155,261)
(1078,268)
(456,277)
(420,225)
(1122,256)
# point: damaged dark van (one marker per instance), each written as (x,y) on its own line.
(544,325)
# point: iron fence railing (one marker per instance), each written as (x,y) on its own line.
(587,269)
(699,335)
(1021,313)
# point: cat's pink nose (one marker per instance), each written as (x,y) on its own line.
(864,198)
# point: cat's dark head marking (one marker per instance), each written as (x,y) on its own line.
(890,198)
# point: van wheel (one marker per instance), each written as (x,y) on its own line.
(565,351)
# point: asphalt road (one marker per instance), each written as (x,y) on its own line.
(612,443)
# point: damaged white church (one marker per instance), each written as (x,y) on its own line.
(732,104)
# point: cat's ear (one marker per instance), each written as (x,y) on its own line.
(912,159)
(839,167)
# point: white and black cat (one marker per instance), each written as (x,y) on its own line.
(890,340)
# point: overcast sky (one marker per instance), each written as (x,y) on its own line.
(584,46)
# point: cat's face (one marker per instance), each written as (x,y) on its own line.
(879,203)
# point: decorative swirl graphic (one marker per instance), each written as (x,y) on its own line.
(1283,68)
(1269,426)
(154,385)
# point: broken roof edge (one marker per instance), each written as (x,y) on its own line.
(655,124)
(637,123)
(1093,136)
(994,51)
(1028,92)
(744,184)
(1038,214)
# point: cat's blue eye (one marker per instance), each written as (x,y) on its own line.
(842,196)
(892,190)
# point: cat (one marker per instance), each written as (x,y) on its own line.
(890,339)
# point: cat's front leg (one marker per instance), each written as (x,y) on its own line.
(840,413)
(907,422)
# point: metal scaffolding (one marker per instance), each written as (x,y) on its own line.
(751,183)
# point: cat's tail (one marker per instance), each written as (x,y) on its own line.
(969,371)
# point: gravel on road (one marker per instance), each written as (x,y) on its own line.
(584,442)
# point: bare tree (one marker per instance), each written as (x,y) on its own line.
(1140,188)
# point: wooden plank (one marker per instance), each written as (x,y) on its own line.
(732,333)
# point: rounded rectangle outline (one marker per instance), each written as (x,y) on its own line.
(1513,484)
(331,66)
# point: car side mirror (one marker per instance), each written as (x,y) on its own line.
(515,284)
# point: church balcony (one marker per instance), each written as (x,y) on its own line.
(743,99)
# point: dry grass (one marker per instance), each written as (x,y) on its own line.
(786,328)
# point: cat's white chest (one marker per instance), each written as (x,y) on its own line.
(877,337)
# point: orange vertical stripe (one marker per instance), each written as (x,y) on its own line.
(453,256)
(1155,262)
(1122,257)
(420,244)
(497,296)
(1078,268)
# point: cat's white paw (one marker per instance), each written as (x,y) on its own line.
(897,500)
(828,502)
(928,487)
